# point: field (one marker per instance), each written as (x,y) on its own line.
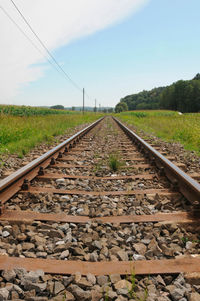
(20,134)
(167,125)
(29,111)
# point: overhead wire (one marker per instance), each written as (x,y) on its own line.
(56,65)
(45,47)
(27,37)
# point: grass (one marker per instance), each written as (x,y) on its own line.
(167,125)
(132,291)
(20,134)
(114,162)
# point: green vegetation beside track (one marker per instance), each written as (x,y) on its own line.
(167,125)
(20,134)
(30,111)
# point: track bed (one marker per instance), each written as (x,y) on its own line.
(97,216)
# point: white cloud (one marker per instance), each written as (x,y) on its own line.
(57,22)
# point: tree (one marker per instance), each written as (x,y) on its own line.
(58,107)
(120,107)
(183,95)
(197,76)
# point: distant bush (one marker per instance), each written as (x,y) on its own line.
(58,107)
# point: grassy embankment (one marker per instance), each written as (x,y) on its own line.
(168,125)
(19,134)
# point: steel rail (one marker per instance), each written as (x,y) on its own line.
(14,179)
(184,183)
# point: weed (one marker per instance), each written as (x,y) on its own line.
(132,290)
(185,240)
(64,298)
(2,163)
(114,162)
(106,294)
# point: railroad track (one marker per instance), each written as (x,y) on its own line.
(69,212)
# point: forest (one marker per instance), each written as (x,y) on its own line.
(183,96)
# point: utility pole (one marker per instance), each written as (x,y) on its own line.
(99,107)
(83,100)
(95,108)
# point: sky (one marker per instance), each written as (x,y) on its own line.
(111,48)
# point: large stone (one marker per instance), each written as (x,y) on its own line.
(64,254)
(96,295)
(177,294)
(193,278)
(91,278)
(9,275)
(167,251)
(56,233)
(67,280)
(112,295)
(78,251)
(29,294)
(194,297)
(34,276)
(28,246)
(84,283)
(77,276)
(160,280)
(60,181)
(138,257)
(114,250)
(38,287)
(123,284)
(20,272)
(69,296)
(93,257)
(153,246)
(140,248)
(102,280)
(79,293)
(39,240)
(122,255)
(58,287)
(115,278)
(4,293)
(97,244)
(13,287)
(5,234)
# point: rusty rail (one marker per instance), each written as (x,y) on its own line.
(18,181)
(184,183)
(13,183)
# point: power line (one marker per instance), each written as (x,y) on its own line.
(47,50)
(27,37)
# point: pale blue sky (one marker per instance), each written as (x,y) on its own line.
(152,47)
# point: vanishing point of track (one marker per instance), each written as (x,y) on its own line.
(67,173)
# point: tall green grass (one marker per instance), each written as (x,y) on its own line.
(20,134)
(168,125)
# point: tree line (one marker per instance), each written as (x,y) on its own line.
(183,96)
